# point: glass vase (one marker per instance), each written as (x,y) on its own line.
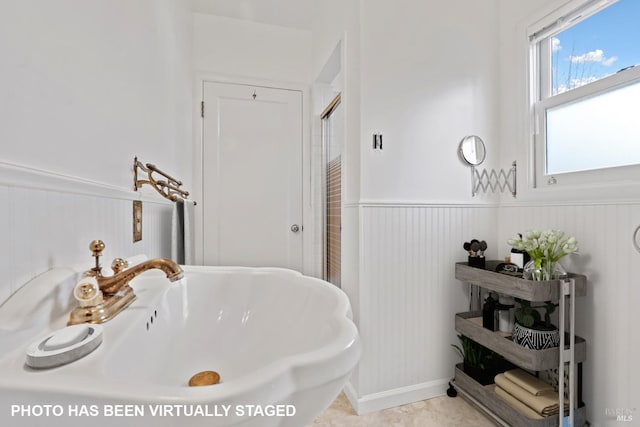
(539,270)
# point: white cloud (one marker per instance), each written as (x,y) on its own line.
(555,44)
(593,56)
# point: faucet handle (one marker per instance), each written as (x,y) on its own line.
(118,265)
(96,247)
(87,292)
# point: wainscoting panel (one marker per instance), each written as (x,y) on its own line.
(5,244)
(44,228)
(608,317)
(409,296)
(350,269)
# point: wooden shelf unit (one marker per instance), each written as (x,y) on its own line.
(486,396)
(470,325)
(529,290)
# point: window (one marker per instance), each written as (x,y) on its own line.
(585,92)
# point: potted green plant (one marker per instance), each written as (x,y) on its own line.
(530,330)
(478,362)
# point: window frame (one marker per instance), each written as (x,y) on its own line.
(541,99)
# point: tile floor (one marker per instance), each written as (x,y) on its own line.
(439,412)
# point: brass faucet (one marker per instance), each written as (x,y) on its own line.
(102,298)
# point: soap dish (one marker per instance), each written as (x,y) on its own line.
(64,346)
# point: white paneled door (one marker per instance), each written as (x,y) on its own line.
(252,171)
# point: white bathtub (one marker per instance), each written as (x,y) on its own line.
(283,343)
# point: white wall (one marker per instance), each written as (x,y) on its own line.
(429,77)
(86,86)
(603,219)
(336,29)
(337,22)
(424,75)
(238,48)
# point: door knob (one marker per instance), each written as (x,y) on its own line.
(295,228)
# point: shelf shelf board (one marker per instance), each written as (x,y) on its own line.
(529,290)
(534,360)
(486,396)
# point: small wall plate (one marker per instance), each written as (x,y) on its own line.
(137,220)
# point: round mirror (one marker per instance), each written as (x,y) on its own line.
(472,150)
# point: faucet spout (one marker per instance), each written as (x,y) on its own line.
(112,284)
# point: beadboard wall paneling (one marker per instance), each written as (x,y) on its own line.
(5,243)
(608,316)
(351,284)
(409,296)
(41,229)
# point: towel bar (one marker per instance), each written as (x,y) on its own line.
(169,189)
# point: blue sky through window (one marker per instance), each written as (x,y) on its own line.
(597,47)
